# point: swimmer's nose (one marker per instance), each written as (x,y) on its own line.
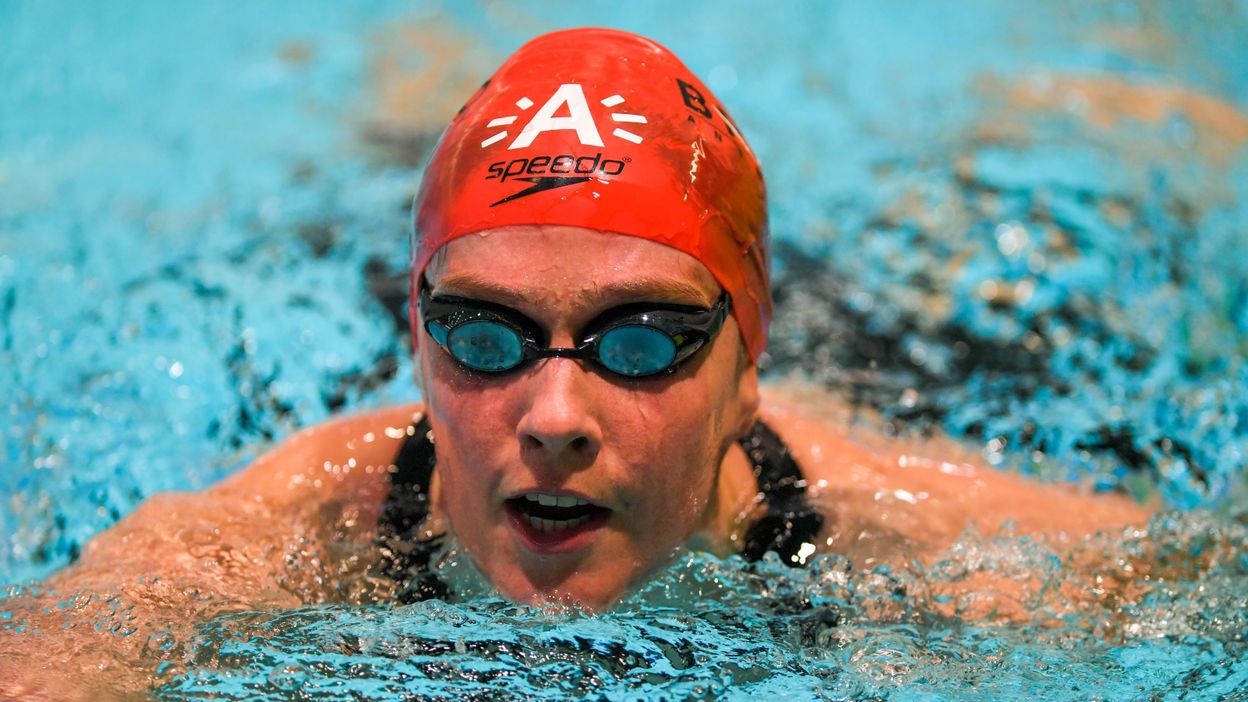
(558,426)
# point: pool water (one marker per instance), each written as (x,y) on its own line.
(1018,226)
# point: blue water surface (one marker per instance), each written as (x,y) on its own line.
(1019,224)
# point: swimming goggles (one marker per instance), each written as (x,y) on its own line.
(634,340)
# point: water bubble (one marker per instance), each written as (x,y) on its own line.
(289,677)
(909,398)
(1012,237)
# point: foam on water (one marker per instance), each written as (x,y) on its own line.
(1157,611)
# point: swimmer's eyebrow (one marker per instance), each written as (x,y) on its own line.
(638,290)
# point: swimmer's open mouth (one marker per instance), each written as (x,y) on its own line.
(549,514)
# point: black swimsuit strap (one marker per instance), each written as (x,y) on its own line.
(788,523)
(406,552)
(414,471)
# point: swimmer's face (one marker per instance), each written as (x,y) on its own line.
(644,453)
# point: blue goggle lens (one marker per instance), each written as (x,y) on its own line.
(485,346)
(636,350)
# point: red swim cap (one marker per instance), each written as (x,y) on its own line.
(606,130)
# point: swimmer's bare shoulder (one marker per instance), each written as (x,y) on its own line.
(277,534)
(346,461)
(334,475)
(890,498)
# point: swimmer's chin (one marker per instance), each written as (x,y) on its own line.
(569,596)
(581,593)
(592,579)
(508,576)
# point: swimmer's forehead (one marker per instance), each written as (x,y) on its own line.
(520,265)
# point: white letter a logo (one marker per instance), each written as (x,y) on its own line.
(579,118)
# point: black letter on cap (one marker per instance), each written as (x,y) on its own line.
(693,99)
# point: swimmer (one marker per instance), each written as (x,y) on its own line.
(590,301)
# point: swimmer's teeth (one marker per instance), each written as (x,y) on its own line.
(547,500)
(549,525)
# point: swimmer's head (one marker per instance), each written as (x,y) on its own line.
(592,182)
(605,130)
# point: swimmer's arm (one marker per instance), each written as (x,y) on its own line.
(259,539)
(100,627)
(236,537)
(901,503)
(929,492)
(895,503)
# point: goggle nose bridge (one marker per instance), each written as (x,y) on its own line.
(580,353)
